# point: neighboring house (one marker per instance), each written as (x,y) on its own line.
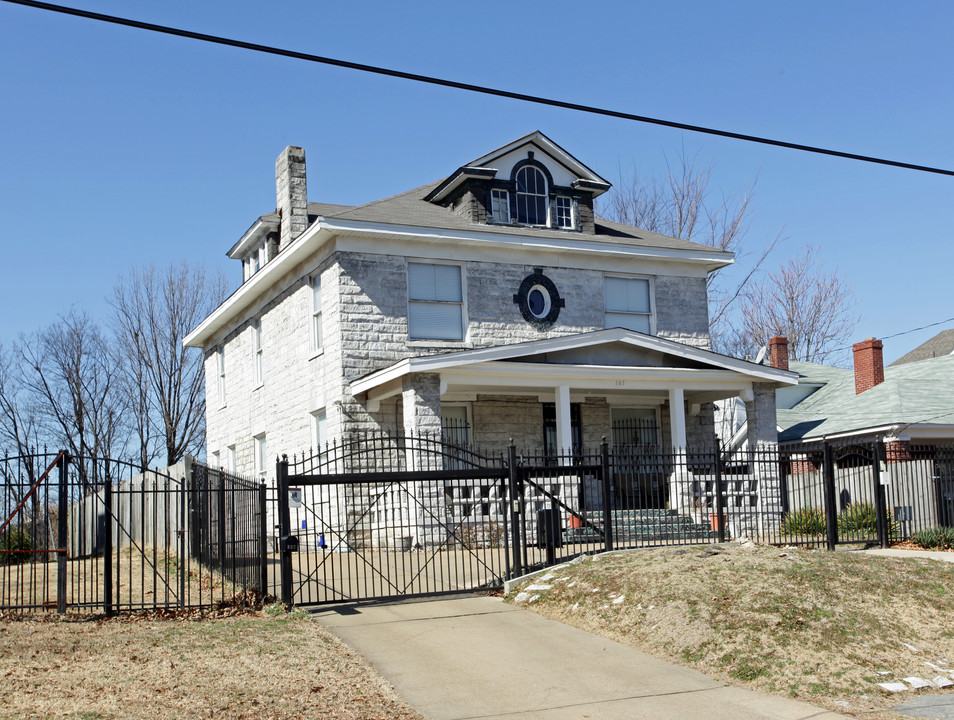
(909,406)
(909,402)
(490,305)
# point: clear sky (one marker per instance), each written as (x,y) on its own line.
(120,147)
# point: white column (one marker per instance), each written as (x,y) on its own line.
(564,431)
(677,418)
(680,495)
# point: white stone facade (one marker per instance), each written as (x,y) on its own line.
(361,259)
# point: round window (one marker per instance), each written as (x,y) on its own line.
(538,301)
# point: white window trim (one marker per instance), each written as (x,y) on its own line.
(545,196)
(464,321)
(506,201)
(232,459)
(258,354)
(652,299)
(317,315)
(318,417)
(261,456)
(556,202)
(220,372)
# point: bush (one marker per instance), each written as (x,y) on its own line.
(862,519)
(804,521)
(15,539)
(941,538)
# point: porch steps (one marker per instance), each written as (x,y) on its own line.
(643,526)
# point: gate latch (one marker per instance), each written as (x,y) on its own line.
(289,543)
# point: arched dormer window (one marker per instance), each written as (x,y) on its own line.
(531,196)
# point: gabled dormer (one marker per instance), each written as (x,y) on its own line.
(531,182)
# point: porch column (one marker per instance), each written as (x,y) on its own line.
(421,395)
(677,418)
(763,447)
(679,491)
(564,431)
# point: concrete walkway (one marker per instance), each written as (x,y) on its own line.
(939,555)
(477,657)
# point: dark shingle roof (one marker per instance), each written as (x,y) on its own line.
(940,344)
(410,208)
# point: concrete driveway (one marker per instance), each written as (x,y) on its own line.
(477,657)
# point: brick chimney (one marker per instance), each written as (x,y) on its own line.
(291,194)
(778,352)
(869,365)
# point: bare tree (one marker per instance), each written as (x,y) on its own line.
(814,309)
(164,381)
(19,430)
(682,205)
(69,373)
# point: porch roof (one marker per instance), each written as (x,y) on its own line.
(601,360)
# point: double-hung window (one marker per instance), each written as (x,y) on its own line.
(435,307)
(220,369)
(564,212)
(261,457)
(257,349)
(319,429)
(316,334)
(500,206)
(531,196)
(628,303)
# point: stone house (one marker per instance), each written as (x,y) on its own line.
(491,304)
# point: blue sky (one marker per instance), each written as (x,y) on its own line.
(120,148)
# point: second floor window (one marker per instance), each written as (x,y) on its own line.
(316,330)
(220,368)
(257,346)
(531,196)
(435,307)
(628,303)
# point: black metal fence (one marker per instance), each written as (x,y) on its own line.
(85,534)
(383,516)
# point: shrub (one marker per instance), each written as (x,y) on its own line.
(862,519)
(804,521)
(16,539)
(940,537)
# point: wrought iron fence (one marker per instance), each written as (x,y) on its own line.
(87,534)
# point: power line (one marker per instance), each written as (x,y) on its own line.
(468,86)
(904,332)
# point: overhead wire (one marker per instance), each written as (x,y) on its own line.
(256,47)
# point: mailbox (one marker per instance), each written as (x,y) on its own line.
(289,543)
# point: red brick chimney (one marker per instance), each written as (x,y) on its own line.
(778,352)
(869,365)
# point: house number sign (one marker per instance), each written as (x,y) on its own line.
(539,300)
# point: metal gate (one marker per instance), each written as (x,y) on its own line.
(380,516)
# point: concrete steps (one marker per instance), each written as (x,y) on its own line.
(643,526)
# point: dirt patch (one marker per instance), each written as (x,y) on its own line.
(818,626)
(253,666)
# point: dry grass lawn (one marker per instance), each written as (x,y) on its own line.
(818,626)
(252,666)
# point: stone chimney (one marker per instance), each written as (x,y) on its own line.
(291,193)
(869,365)
(778,352)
